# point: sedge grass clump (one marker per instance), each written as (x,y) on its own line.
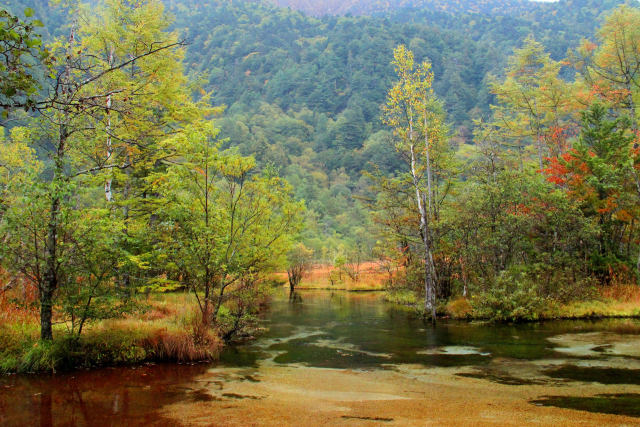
(199,343)
(404,297)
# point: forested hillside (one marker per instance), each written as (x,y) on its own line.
(304,93)
(363,7)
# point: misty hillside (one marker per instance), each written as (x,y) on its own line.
(365,7)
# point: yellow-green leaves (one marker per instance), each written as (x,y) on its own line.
(534,102)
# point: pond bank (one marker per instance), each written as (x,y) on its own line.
(164,329)
(604,306)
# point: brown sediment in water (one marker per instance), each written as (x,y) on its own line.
(407,396)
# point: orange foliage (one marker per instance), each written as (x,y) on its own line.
(370,276)
(17,303)
(620,292)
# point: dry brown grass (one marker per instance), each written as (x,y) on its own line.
(182,345)
(17,303)
(366,276)
(622,293)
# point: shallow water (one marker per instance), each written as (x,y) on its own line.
(355,332)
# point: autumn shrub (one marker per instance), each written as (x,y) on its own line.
(459,308)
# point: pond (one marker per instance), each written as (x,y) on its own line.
(350,359)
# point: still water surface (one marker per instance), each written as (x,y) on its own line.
(346,331)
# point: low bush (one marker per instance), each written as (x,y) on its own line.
(459,308)
(513,297)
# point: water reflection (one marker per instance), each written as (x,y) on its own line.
(116,396)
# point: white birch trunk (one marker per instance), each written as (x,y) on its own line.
(429,298)
(107,185)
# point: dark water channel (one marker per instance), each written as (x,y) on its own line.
(355,331)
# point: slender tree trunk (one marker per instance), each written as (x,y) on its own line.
(429,286)
(207,303)
(428,155)
(46,313)
(218,303)
(465,289)
(50,284)
(634,128)
(107,185)
(292,286)
(539,144)
(125,278)
(429,283)
(632,108)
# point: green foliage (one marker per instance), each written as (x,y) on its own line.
(124,182)
(90,218)
(304,94)
(225,224)
(22,52)
(513,296)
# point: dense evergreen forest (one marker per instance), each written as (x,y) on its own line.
(484,155)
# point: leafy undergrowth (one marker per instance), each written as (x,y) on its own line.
(168,329)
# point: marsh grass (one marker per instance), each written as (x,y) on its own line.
(166,328)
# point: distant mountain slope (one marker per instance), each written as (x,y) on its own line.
(367,7)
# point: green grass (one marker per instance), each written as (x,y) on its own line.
(402,297)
